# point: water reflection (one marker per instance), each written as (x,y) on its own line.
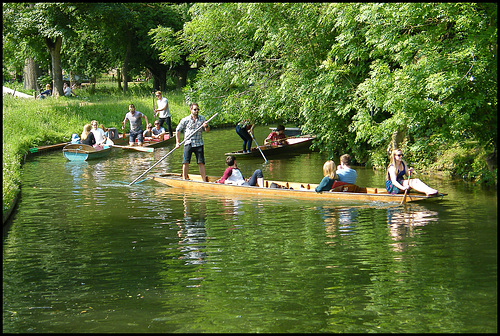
(406,224)
(192,232)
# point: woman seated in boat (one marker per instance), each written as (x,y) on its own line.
(232,175)
(330,177)
(148,133)
(99,135)
(277,137)
(87,137)
(397,170)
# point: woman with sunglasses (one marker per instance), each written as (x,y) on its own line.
(397,170)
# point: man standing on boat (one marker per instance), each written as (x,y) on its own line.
(164,112)
(194,140)
(135,125)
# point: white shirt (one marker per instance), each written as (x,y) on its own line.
(163,102)
(99,135)
(236,177)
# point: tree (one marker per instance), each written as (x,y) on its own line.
(48,22)
(352,73)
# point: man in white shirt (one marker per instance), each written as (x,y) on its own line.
(164,112)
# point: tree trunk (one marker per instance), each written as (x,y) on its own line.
(55,54)
(31,71)
(125,66)
(118,79)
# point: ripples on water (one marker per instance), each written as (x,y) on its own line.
(88,253)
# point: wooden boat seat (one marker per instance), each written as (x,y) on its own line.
(348,188)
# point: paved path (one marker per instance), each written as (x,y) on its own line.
(6,90)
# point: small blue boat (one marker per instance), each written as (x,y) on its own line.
(81,152)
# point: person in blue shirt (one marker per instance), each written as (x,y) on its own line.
(345,172)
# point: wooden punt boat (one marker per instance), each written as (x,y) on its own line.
(147,143)
(289,189)
(295,144)
(81,152)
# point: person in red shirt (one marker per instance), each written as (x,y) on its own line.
(277,137)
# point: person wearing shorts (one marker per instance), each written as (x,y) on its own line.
(192,126)
(135,119)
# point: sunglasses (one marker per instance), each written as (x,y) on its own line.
(399,155)
(195,109)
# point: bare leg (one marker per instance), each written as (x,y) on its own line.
(202,171)
(185,171)
(420,186)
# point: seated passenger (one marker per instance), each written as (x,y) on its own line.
(344,171)
(87,137)
(158,131)
(396,171)
(277,137)
(148,133)
(232,175)
(330,177)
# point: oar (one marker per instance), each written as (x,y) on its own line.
(403,201)
(137,148)
(160,160)
(258,147)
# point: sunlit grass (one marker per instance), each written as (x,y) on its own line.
(29,123)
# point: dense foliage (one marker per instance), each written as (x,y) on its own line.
(353,73)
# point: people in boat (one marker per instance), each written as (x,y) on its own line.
(87,137)
(330,177)
(277,137)
(344,171)
(158,131)
(232,175)
(243,129)
(163,112)
(148,133)
(396,171)
(99,135)
(46,93)
(192,126)
(134,117)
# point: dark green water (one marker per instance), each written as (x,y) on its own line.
(86,253)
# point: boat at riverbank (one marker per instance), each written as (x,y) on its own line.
(278,189)
(153,143)
(81,152)
(294,144)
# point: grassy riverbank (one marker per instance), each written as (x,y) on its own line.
(29,123)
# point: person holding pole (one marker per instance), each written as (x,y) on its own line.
(397,170)
(192,126)
(163,112)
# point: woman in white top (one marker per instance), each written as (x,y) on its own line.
(100,137)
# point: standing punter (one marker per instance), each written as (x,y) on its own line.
(194,142)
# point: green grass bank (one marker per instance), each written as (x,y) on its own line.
(29,123)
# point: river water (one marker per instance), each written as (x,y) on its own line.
(85,252)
